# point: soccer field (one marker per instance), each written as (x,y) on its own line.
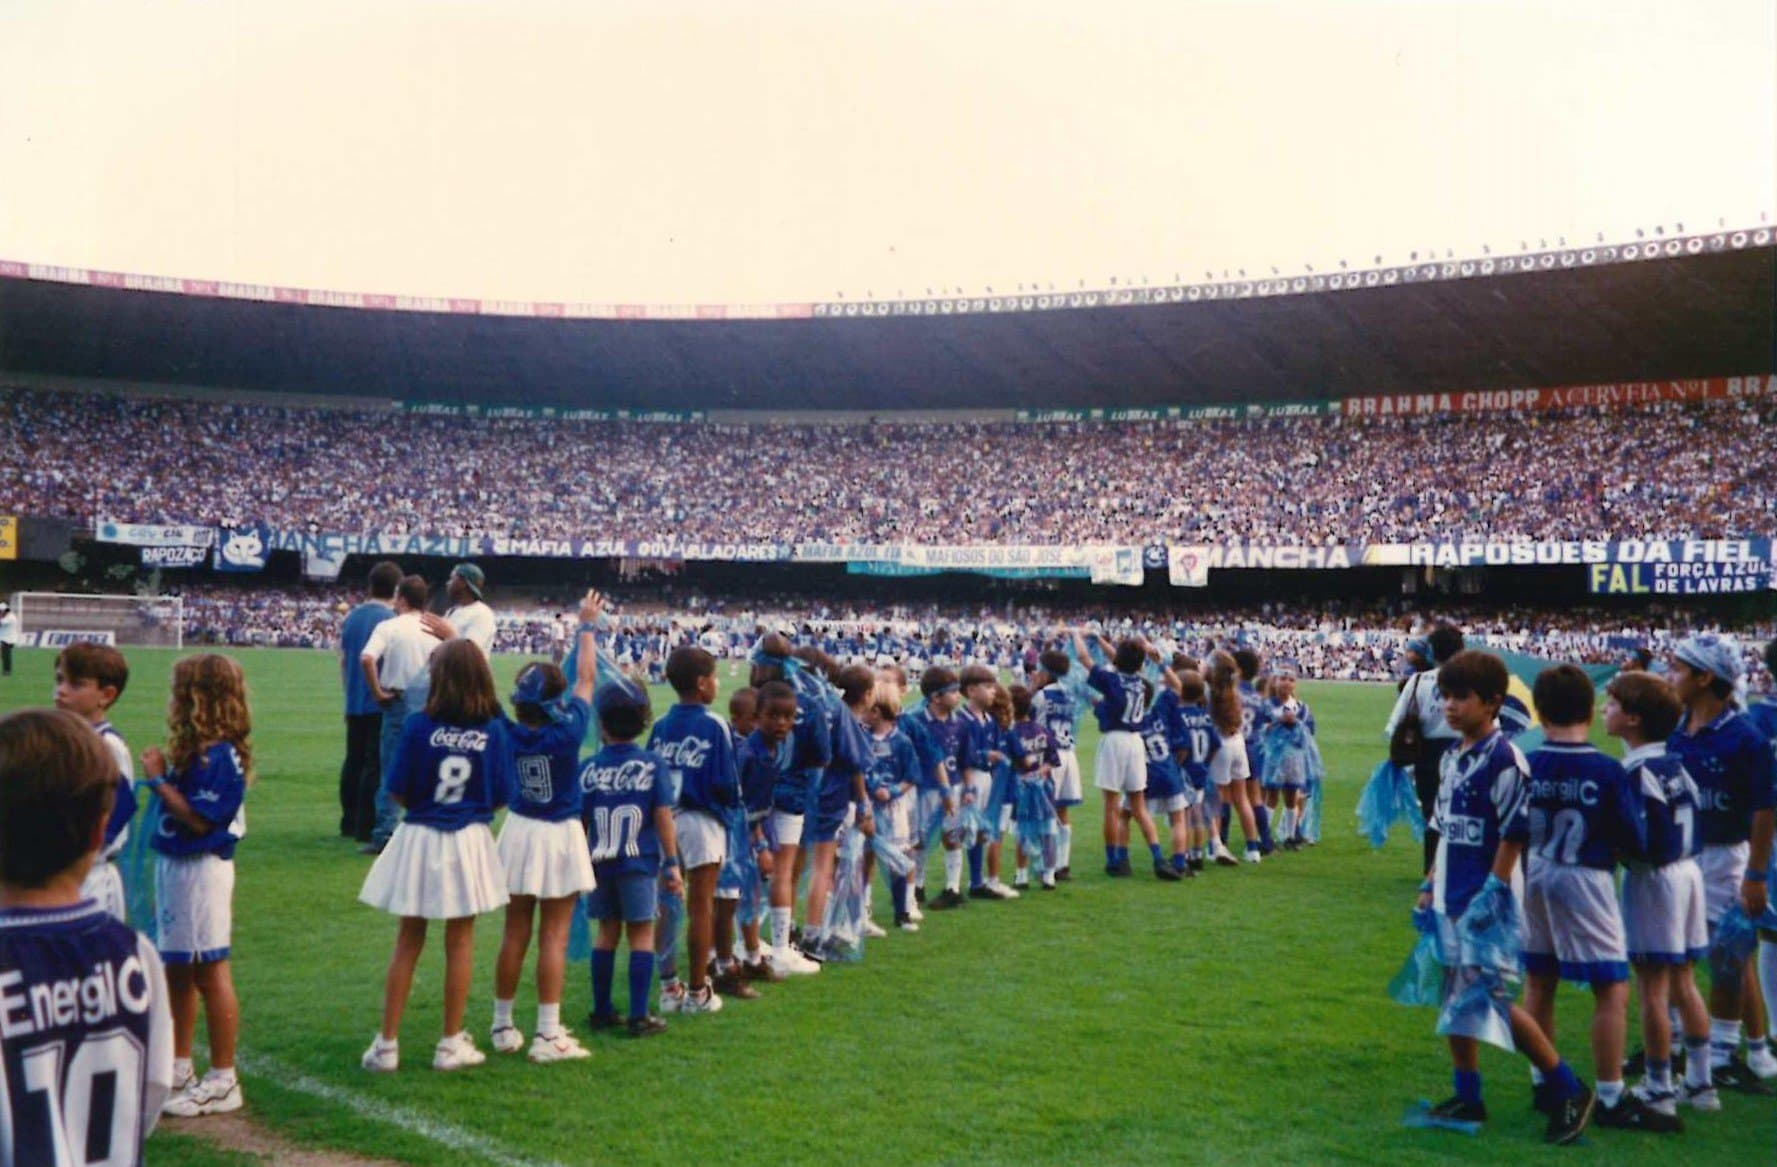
(1238,1018)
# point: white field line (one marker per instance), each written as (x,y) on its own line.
(413,1122)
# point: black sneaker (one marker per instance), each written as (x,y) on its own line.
(1542,1099)
(1569,1117)
(1196,863)
(646,1026)
(1454,1109)
(982,892)
(1632,1114)
(1635,1065)
(597,1021)
(1063,874)
(1123,867)
(1737,1076)
(1166,874)
(946,900)
(1187,871)
(815,950)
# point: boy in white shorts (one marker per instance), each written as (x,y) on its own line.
(1121,769)
(1663,916)
(1581,819)
(1058,707)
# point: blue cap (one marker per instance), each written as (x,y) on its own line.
(621,693)
(1420,646)
(531,686)
(1708,653)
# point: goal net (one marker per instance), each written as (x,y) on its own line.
(52,620)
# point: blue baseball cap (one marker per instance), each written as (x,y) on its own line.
(1420,647)
(622,693)
(1708,653)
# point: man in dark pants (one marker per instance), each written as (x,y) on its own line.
(361,771)
(1420,698)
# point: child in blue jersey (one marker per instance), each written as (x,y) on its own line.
(740,870)
(1121,769)
(1732,765)
(542,846)
(80,989)
(1057,703)
(1254,713)
(1162,737)
(812,742)
(837,801)
(1483,822)
(699,752)
(89,680)
(451,769)
(202,781)
(893,787)
(925,813)
(1582,818)
(627,800)
(977,755)
(1034,760)
(1286,758)
(939,806)
(766,758)
(1662,895)
(1200,742)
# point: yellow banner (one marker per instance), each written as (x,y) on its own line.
(9,537)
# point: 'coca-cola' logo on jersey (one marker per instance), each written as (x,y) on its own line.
(447,737)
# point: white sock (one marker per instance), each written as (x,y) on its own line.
(1724,1040)
(1696,1062)
(919,868)
(953,870)
(780,928)
(1610,1093)
(182,1067)
(548,1019)
(754,956)
(1286,824)
(1064,844)
(221,1074)
(910,903)
(502,1012)
(1536,1076)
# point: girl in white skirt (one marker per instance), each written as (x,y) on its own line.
(452,769)
(543,846)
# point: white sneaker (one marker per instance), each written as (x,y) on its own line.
(1005,892)
(791,963)
(908,924)
(456,1053)
(873,930)
(914,914)
(1021,881)
(1049,879)
(182,1082)
(210,1094)
(562,1046)
(1659,1101)
(1222,856)
(1762,1063)
(506,1039)
(1254,857)
(1699,1097)
(382,1057)
(672,997)
(705,1000)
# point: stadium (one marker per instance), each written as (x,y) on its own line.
(1558,443)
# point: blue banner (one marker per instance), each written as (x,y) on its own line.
(902,569)
(243,548)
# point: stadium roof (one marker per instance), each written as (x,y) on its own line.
(1707,307)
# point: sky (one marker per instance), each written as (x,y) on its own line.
(757,152)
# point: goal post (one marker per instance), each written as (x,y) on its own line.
(54,619)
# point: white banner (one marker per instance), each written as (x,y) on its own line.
(1188,567)
(154,534)
(1117,565)
(62,638)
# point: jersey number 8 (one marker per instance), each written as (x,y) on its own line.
(453,776)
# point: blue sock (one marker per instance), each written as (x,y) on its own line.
(1252,845)
(1154,851)
(1178,860)
(1122,856)
(1227,818)
(1110,856)
(604,972)
(1262,816)
(641,979)
(1562,1079)
(898,894)
(975,856)
(1468,1086)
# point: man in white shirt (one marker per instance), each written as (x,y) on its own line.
(468,616)
(396,661)
(1420,698)
(9,636)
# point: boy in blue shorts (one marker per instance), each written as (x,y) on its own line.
(80,988)
(837,801)
(1483,821)
(979,754)
(699,753)
(1162,736)
(627,808)
(1200,743)
(1663,916)
(1581,819)
(1732,765)
(766,757)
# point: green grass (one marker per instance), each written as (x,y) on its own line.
(1240,1018)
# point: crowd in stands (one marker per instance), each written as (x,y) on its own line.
(1660,471)
(1352,640)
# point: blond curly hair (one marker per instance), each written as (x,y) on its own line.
(208,705)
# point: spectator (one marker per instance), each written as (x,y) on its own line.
(361,772)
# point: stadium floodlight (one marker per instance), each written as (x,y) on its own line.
(55,620)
